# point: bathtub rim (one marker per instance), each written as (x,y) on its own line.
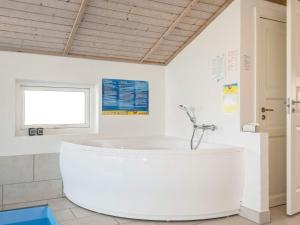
(224,149)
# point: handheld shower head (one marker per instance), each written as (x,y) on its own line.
(184,108)
(189,113)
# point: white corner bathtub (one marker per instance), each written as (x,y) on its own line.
(153,178)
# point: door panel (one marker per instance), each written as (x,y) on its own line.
(278,172)
(293,116)
(271,83)
(275,44)
(276,122)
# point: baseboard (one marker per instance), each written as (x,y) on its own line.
(277,199)
(257,217)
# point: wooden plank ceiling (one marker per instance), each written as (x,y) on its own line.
(282,2)
(143,31)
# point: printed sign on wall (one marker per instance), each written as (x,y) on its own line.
(233,57)
(219,68)
(125,97)
(230,98)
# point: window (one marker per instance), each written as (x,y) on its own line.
(52,107)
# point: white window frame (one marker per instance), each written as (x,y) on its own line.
(86,127)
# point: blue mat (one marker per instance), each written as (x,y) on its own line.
(40,215)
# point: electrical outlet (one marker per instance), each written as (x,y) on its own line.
(40,131)
(32,131)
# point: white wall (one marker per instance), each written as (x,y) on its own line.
(189,82)
(80,71)
(189,78)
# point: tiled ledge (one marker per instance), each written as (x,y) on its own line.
(28,178)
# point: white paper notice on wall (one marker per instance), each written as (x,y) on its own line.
(233,60)
(219,68)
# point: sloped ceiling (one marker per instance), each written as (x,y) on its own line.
(142,31)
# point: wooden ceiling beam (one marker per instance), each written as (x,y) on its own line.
(202,28)
(282,2)
(171,28)
(75,27)
(75,55)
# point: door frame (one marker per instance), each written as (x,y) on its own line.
(293,204)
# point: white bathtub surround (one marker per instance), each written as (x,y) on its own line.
(153,178)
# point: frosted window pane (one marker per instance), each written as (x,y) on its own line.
(54,107)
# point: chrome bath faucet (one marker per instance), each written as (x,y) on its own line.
(203,127)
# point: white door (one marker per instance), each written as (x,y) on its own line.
(293,116)
(271,97)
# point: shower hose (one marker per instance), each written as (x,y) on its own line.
(195,146)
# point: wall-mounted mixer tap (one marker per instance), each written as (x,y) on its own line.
(211,127)
(203,127)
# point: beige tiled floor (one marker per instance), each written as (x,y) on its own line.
(68,213)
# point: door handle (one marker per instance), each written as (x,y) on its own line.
(263,109)
(295,102)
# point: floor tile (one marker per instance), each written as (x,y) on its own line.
(70,222)
(143,222)
(237,220)
(97,220)
(219,221)
(67,213)
(80,212)
(278,213)
(124,220)
(60,203)
(63,215)
(194,222)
